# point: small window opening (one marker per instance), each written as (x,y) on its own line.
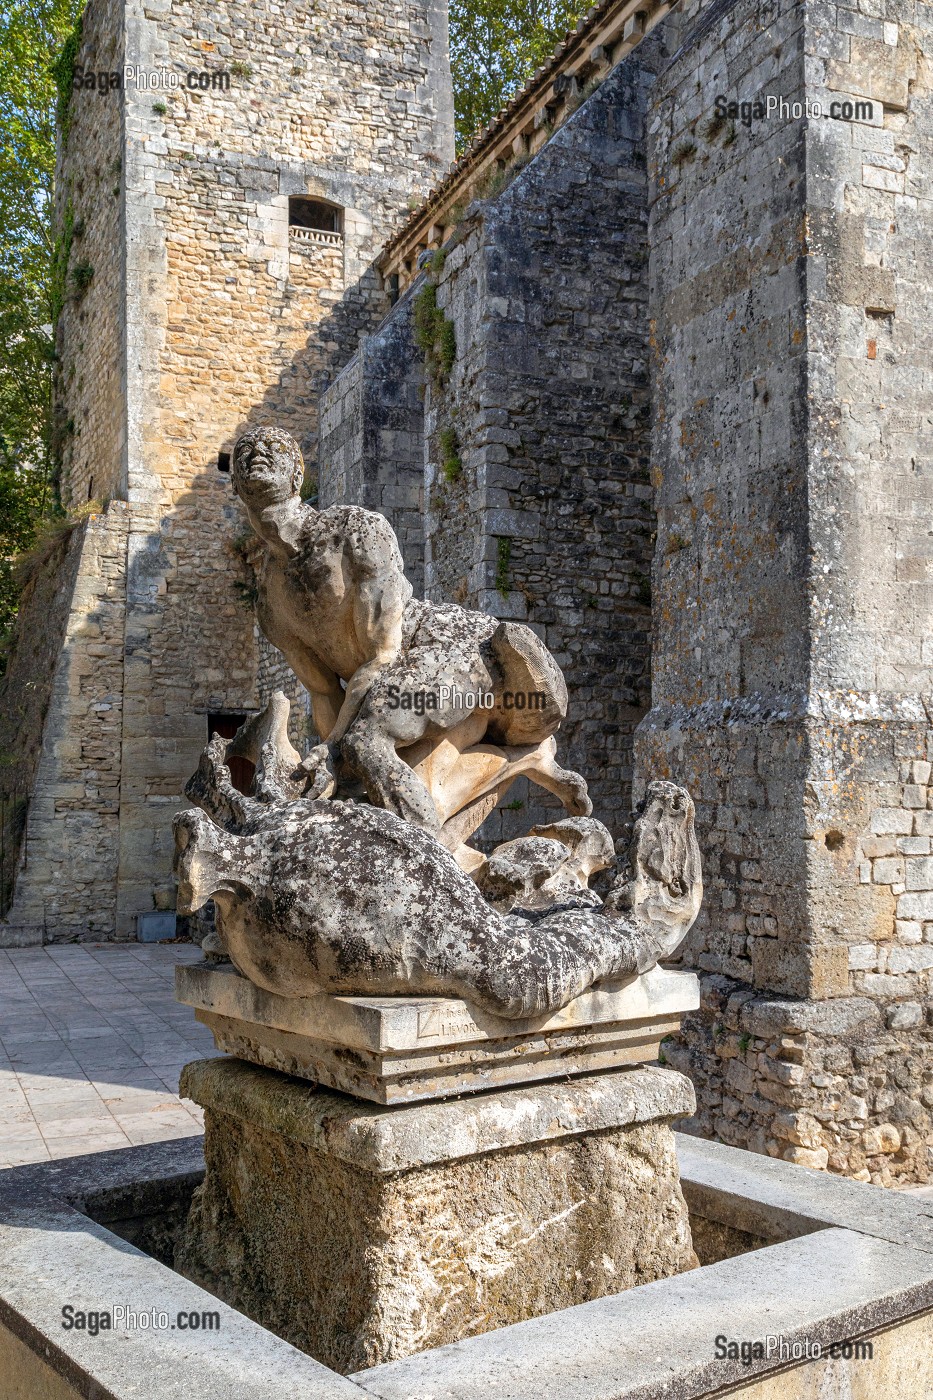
(90,489)
(314,214)
(223,461)
(242,770)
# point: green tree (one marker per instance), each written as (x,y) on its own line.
(495,47)
(33,34)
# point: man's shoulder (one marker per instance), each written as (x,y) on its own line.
(365,532)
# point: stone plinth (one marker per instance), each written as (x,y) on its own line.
(405,1049)
(363,1233)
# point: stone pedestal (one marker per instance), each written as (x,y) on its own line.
(404,1049)
(363,1233)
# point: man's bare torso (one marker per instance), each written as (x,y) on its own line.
(310,599)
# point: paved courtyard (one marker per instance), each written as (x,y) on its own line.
(91,1045)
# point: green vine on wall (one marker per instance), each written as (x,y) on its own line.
(61,256)
(62,247)
(435,334)
(451,464)
(436,338)
(81,277)
(63,75)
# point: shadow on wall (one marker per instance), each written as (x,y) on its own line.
(26,688)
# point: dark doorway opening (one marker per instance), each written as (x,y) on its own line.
(242,770)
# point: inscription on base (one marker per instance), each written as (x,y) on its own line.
(433,1023)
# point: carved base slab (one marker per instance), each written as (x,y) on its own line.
(404,1049)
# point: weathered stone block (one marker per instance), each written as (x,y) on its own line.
(892,821)
(914,959)
(919,874)
(876,70)
(915,905)
(811,971)
(367,1233)
(403,1049)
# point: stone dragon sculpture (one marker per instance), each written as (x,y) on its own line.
(314,895)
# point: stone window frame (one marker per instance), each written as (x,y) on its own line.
(312,206)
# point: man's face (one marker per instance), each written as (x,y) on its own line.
(267,466)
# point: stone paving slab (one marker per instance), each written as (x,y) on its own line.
(92,1043)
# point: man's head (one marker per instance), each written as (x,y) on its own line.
(267,467)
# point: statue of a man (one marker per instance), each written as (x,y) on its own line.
(334,599)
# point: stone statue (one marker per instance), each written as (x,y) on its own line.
(435,709)
(342,897)
(317,892)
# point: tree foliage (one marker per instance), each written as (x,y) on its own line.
(495,47)
(32,35)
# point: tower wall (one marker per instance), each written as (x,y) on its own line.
(211,315)
(90,370)
(793,605)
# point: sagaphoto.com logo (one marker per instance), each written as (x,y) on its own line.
(770,107)
(88,78)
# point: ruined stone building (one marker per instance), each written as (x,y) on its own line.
(647,370)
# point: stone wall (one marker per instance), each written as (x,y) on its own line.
(66,885)
(328,101)
(823,1084)
(25,694)
(792,307)
(372,435)
(537,504)
(550,519)
(204,314)
(90,370)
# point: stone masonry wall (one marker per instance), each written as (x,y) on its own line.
(532,456)
(544,514)
(372,435)
(228,320)
(551,520)
(90,378)
(330,101)
(791,301)
(66,886)
(25,695)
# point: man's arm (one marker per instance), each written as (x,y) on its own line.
(322,685)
